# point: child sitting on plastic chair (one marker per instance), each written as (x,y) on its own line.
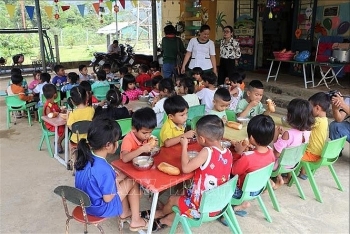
(212,167)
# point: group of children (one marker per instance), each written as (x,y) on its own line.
(118,194)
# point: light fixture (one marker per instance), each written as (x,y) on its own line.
(271,4)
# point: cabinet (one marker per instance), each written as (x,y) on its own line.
(195,13)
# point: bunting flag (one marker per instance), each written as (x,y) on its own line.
(48,10)
(81,9)
(134,3)
(10,10)
(30,11)
(109,6)
(122,2)
(64,8)
(96,6)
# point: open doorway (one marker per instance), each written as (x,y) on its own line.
(277,24)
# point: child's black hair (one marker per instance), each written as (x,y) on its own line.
(222,94)
(36,72)
(143,68)
(78,95)
(197,71)
(123,70)
(81,67)
(255,84)
(74,77)
(87,86)
(235,77)
(106,66)
(57,67)
(188,85)
(154,64)
(16,70)
(101,75)
(128,79)
(166,84)
(211,127)
(210,77)
(169,30)
(102,131)
(49,90)
(114,97)
(45,77)
(144,118)
(156,80)
(299,114)
(175,104)
(321,99)
(262,129)
(16,79)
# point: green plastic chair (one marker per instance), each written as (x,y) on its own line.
(100,92)
(57,99)
(222,196)
(193,111)
(255,181)
(231,115)
(329,155)
(156,133)
(165,117)
(45,134)
(14,103)
(194,122)
(290,156)
(125,125)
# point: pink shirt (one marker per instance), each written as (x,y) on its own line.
(295,139)
(133,94)
(33,84)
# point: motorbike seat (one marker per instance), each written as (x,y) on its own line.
(100,53)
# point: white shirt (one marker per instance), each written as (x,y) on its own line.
(39,89)
(201,53)
(112,49)
(159,110)
(191,99)
(207,96)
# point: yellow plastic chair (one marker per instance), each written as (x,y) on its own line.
(288,161)
(82,200)
(222,196)
(253,182)
(330,154)
(14,103)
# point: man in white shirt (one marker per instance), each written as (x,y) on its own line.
(114,48)
(341,111)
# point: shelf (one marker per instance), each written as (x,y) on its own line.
(192,27)
(194,18)
(193,9)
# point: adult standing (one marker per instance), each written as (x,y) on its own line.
(171,45)
(341,111)
(229,54)
(201,52)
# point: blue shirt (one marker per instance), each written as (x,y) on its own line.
(96,181)
(59,79)
(68,87)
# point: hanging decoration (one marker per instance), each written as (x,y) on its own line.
(96,6)
(109,6)
(81,9)
(30,11)
(11,10)
(48,10)
(64,8)
(57,15)
(101,10)
(271,4)
(116,8)
(122,3)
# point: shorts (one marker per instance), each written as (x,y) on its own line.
(310,157)
(238,193)
(60,130)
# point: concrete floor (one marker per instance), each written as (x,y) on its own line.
(28,178)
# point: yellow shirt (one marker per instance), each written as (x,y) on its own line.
(169,130)
(80,114)
(318,136)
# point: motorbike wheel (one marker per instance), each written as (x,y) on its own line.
(96,67)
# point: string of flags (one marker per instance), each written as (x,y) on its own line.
(55,10)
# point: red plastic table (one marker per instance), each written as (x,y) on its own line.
(155,180)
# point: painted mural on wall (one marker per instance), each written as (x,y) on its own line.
(333,20)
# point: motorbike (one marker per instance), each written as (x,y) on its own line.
(116,61)
(146,59)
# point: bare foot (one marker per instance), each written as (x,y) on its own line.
(286,179)
(279,182)
(242,206)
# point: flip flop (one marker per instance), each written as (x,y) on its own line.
(139,228)
(303,177)
(241,213)
(145,214)
(157,225)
